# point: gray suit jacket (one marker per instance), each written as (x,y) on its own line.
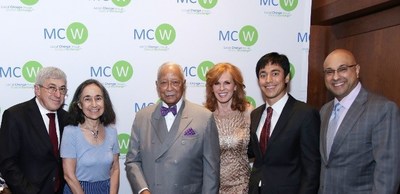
(365,155)
(185,161)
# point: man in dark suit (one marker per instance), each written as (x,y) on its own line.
(284,135)
(29,161)
(174,145)
(360,137)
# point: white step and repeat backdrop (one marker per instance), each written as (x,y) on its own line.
(123,42)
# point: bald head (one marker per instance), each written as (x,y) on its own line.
(342,56)
(341,73)
(170,66)
(171,83)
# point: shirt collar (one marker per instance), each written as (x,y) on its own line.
(178,105)
(349,99)
(43,110)
(278,106)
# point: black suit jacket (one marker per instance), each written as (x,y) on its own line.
(291,164)
(27,162)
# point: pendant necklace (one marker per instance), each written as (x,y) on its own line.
(94,132)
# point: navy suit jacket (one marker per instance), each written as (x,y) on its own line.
(27,162)
(291,164)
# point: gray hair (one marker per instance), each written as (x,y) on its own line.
(170,64)
(50,73)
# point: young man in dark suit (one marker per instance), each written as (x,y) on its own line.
(284,135)
(29,158)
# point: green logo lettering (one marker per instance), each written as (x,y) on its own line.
(122,71)
(288,5)
(77,33)
(123,141)
(29,2)
(121,3)
(207,4)
(248,35)
(203,68)
(30,70)
(165,34)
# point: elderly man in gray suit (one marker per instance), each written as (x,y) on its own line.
(360,134)
(174,146)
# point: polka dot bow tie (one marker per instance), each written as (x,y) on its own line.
(165,110)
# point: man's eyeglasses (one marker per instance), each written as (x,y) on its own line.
(341,70)
(166,83)
(53,89)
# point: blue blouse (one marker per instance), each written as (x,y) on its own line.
(93,162)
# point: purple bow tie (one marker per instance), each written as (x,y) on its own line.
(165,110)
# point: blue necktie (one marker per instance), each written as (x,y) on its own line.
(165,110)
(332,127)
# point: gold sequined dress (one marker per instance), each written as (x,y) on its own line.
(234,137)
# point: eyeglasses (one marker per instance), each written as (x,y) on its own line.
(341,70)
(53,89)
(165,83)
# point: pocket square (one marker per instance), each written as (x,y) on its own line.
(189,132)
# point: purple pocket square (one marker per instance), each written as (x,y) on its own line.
(189,132)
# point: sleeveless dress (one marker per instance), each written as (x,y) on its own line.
(234,137)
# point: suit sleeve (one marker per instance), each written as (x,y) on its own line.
(10,133)
(211,159)
(133,163)
(310,155)
(386,151)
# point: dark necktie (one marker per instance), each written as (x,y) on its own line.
(54,141)
(53,133)
(165,110)
(264,137)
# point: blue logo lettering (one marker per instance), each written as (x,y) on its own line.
(190,71)
(186,1)
(101,71)
(54,33)
(10,72)
(143,34)
(303,37)
(138,106)
(228,36)
(268,3)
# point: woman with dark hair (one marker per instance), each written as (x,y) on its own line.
(89,146)
(226,98)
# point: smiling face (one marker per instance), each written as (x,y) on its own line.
(272,82)
(224,88)
(170,84)
(50,101)
(341,82)
(91,102)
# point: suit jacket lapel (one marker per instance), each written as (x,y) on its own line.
(158,124)
(182,120)
(350,119)
(287,112)
(255,120)
(38,124)
(325,116)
